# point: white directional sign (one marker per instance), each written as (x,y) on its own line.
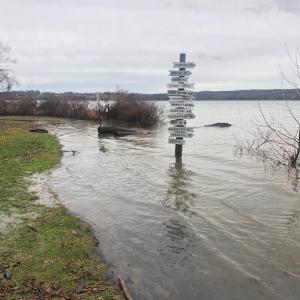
(181,116)
(181,100)
(178,122)
(180,93)
(180,85)
(181,97)
(182,103)
(181,134)
(180,73)
(187,65)
(176,141)
(179,79)
(181,129)
(181,110)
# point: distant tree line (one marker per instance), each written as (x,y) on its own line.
(275,94)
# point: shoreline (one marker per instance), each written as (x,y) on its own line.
(50,252)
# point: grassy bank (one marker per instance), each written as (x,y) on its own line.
(45,253)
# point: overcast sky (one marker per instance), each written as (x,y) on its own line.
(95,45)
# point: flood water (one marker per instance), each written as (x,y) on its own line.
(216,225)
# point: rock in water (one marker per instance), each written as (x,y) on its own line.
(218,125)
(116,131)
(40,130)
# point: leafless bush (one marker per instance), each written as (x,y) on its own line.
(274,141)
(128,109)
(67,109)
(24,107)
(124,109)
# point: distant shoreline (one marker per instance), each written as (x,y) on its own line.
(239,95)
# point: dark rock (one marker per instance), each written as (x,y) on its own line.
(8,275)
(5,274)
(218,125)
(116,131)
(80,287)
(40,130)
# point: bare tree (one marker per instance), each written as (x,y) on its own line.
(6,77)
(272,139)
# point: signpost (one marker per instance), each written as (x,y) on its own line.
(180,110)
(177,103)
(181,79)
(187,65)
(181,101)
(176,141)
(181,116)
(180,85)
(179,92)
(181,129)
(180,72)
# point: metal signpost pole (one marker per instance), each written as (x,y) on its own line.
(98,107)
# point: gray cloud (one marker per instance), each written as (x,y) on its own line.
(288,5)
(259,8)
(95,45)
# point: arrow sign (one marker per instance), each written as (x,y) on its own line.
(180,93)
(182,103)
(188,65)
(178,122)
(182,134)
(180,85)
(176,141)
(179,79)
(182,97)
(181,129)
(181,110)
(181,116)
(180,73)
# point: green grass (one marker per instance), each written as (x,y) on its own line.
(23,153)
(51,255)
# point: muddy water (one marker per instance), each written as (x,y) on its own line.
(212,226)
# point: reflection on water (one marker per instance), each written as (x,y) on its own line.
(177,233)
(293,218)
(293,178)
(179,195)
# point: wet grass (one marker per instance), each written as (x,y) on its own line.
(23,153)
(50,254)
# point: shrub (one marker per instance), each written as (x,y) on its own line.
(128,109)
(24,107)
(67,109)
(125,108)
